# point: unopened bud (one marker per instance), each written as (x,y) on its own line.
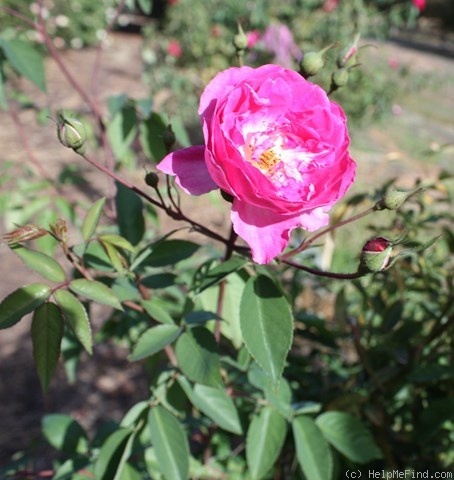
(71,132)
(168,137)
(347,57)
(393,198)
(240,40)
(24,233)
(152,179)
(339,78)
(313,62)
(60,230)
(375,255)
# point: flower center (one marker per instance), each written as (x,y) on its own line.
(268,159)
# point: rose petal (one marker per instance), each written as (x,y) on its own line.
(188,165)
(268,233)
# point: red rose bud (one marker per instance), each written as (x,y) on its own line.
(375,255)
(71,132)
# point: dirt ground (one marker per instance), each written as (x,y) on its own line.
(108,383)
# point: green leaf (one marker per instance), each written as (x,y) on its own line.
(130,217)
(26,60)
(117,241)
(22,301)
(349,436)
(156,312)
(312,451)
(218,406)
(41,263)
(266,324)
(115,258)
(122,130)
(145,6)
(92,218)
(64,433)
(111,457)
(430,422)
(154,340)
(264,441)
(76,317)
(169,252)
(220,272)
(170,442)
(47,332)
(96,291)
(151,137)
(197,356)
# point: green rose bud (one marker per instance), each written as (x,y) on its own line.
(71,132)
(393,198)
(240,40)
(339,78)
(313,62)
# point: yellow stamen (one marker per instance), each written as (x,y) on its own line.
(268,159)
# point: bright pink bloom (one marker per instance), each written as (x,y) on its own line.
(277,144)
(174,49)
(278,39)
(419,4)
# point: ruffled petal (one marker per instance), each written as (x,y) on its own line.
(268,233)
(189,168)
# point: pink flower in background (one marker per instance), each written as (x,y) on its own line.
(278,39)
(419,4)
(277,145)
(330,5)
(174,49)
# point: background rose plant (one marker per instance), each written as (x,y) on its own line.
(277,144)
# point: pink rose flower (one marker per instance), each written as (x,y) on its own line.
(277,145)
(174,49)
(419,4)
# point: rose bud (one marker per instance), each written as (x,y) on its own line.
(168,137)
(240,41)
(347,57)
(339,78)
(393,198)
(375,255)
(71,132)
(313,62)
(152,179)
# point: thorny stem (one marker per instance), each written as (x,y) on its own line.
(176,215)
(306,243)
(91,102)
(322,273)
